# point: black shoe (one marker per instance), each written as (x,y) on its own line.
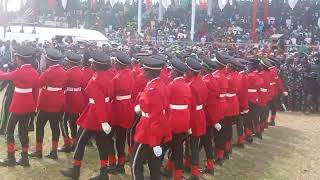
(227,155)
(249,140)
(52,155)
(240,145)
(271,123)
(116,169)
(90,144)
(219,162)
(10,161)
(24,161)
(36,154)
(208,171)
(193,178)
(102,176)
(73,147)
(259,135)
(65,148)
(165,172)
(73,173)
(112,168)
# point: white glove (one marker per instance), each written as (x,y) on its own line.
(5,66)
(157,151)
(218,126)
(190,131)
(106,127)
(137,109)
(285,93)
(245,111)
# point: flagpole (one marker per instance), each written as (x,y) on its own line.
(193,16)
(209,10)
(139,16)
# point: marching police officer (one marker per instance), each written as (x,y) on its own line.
(23,105)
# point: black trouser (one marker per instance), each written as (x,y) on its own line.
(143,152)
(273,107)
(71,120)
(192,149)
(177,150)
(264,114)
(5,114)
(23,121)
(228,133)
(120,135)
(253,119)
(131,132)
(53,118)
(206,142)
(240,128)
(102,142)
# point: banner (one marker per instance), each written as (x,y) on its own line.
(292,3)
(64,4)
(203,4)
(255,8)
(222,3)
(149,4)
(266,12)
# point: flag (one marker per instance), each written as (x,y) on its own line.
(222,3)
(149,4)
(52,4)
(64,4)
(292,3)
(185,3)
(93,4)
(266,12)
(203,4)
(255,8)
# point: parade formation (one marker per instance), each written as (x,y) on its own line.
(146,107)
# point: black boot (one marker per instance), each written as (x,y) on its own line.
(112,168)
(73,173)
(259,135)
(10,161)
(219,162)
(65,148)
(249,139)
(208,171)
(52,155)
(36,154)
(24,161)
(165,172)
(193,178)
(271,123)
(31,127)
(102,176)
(240,145)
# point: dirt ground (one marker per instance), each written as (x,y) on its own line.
(288,151)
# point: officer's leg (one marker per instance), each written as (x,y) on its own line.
(103,145)
(54,125)
(154,164)
(228,141)
(139,155)
(206,141)
(120,144)
(248,126)
(31,122)
(256,119)
(24,138)
(73,127)
(187,154)
(219,141)
(65,133)
(112,154)
(240,130)
(74,172)
(40,124)
(194,144)
(11,160)
(130,134)
(273,109)
(169,167)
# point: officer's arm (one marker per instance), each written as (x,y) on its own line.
(9,75)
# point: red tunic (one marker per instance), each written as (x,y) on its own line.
(122,101)
(165,75)
(54,77)
(254,84)
(221,109)
(179,111)
(153,128)
(140,83)
(199,95)
(75,101)
(234,84)
(99,110)
(264,94)
(87,74)
(24,98)
(212,103)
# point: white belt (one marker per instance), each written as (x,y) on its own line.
(91,101)
(230,94)
(71,89)
(145,114)
(222,95)
(52,88)
(273,83)
(263,90)
(199,107)
(178,107)
(20,90)
(120,98)
(252,90)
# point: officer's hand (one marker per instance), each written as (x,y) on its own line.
(285,93)
(106,127)
(137,109)
(245,111)
(218,126)
(190,131)
(157,151)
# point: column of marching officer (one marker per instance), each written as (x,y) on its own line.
(152,104)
